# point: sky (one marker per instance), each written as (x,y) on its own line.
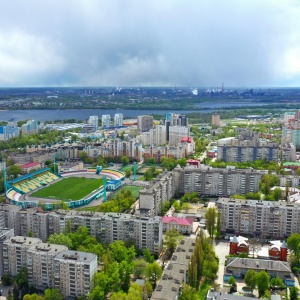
(192,43)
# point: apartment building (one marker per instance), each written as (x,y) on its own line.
(50,265)
(176,133)
(15,253)
(293,181)
(5,233)
(157,152)
(110,227)
(118,120)
(93,120)
(8,132)
(116,148)
(74,272)
(236,150)
(288,152)
(30,127)
(216,181)
(215,120)
(156,136)
(159,191)
(40,264)
(105,121)
(261,218)
(144,123)
(40,225)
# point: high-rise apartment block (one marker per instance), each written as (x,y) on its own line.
(105,121)
(262,218)
(291,129)
(215,120)
(153,197)
(236,150)
(50,265)
(144,123)
(93,120)
(118,120)
(110,227)
(31,127)
(177,120)
(41,264)
(156,136)
(74,272)
(216,181)
(7,132)
(5,233)
(176,133)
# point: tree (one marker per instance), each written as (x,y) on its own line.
(262,280)
(13,171)
(293,243)
(186,207)
(128,173)
(60,239)
(188,293)
(293,293)
(277,282)
(182,162)
(254,245)
(250,279)
(148,256)
(172,238)
(277,194)
(231,280)
(151,161)
(210,216)
(153,272)
(139,268)
(53,294)
(34,296)
(125,160)
(219,223)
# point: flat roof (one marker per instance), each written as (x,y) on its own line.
(76,256)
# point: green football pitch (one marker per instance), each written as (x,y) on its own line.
(71,188)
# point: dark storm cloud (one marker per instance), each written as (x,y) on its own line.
(130,43)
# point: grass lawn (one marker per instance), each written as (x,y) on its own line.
(72,188)
(129,167)
(134,189)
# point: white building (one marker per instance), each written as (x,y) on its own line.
(31,127)
(40,264)
(74,272)
(105,121)
(118,120)
(93,120)
(176,133)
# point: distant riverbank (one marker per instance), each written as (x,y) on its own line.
(83,114)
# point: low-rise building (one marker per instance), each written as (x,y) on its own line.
(182,225)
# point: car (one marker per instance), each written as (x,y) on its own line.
(227,237)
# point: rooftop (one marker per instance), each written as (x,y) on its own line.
(76,256)
(179,221)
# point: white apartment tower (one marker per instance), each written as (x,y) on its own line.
(74,272)
(93,120)
(118,120)
(105,121)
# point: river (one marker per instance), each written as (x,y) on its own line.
(83,114)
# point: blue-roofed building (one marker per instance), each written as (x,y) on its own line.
(112,184)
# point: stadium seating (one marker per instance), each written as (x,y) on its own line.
(30,184)
(13,195)
(113,174)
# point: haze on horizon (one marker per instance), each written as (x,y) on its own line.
(249,43)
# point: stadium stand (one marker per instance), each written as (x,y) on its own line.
(113,174)
(33,181)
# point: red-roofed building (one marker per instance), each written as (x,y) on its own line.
(187,139)
(193,162)
(31,166)
(182,225)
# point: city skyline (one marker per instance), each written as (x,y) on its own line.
(243,44)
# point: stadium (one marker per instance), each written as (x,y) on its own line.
(75,189)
